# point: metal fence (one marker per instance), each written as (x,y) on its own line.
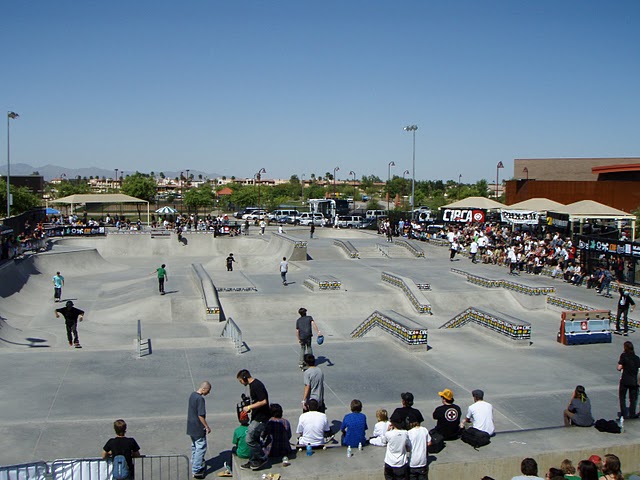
(232,331)
(25,471)
(148,467)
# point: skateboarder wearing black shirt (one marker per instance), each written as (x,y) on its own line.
(624,302)
(260,414)
(71,316)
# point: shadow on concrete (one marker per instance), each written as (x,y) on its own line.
(217,462)
(320,360)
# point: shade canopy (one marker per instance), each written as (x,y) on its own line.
(591,209)
(98,198)
(538,205)
(475,202)
(112,198)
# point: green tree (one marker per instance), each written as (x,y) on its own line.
(72,187)
(23,199)
(139,186)
(200,197)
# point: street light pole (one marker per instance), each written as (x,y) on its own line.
(412,129)
(187,178)
(498,167)
(302,188)
(260,172)
(115,184)
(10,115)
(406,172)
(334,181)
(354,186)
(391,164)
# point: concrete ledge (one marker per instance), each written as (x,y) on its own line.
(208,291)
(514,329)
(410,333)
(325,282)
(415,250)
(500,459)
(348,247)
(299,247)
(410,289)
(507,284)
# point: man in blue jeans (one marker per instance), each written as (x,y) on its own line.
(260,414)
(198,428)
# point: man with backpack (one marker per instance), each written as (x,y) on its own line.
(122,450)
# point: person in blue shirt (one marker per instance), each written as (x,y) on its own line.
(354,426)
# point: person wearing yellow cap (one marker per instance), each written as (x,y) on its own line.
(447,416)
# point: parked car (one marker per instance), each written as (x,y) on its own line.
(255,215)
(307,218)
(282,216)
(375,213)
(244,211)
(350,221)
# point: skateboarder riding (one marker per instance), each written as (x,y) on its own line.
(71,316)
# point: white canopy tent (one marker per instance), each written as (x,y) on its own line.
(538,205)
(113,198)
(585,210)
(475,202)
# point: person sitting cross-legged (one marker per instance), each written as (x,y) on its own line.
(313,426)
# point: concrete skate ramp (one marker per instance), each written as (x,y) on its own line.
(194,245)
(16,337)
(449,304)
(36,271)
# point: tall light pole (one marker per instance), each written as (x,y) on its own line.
(334,181)
(115,184)
(406,172)
(187,178)
(10,116)
(354,186)
(302,188)
(498,167)
(258,175)
(412,129)
(459,180)
(391,164)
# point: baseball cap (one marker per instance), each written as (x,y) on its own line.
(595,459)
(446,394)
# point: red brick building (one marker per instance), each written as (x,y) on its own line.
(612,181)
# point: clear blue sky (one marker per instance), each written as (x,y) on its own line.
(305,86)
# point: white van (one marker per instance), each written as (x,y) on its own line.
(350,221)
(306,218)
(281,215)
(375,213)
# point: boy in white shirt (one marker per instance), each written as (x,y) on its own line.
(396,457)
(420,441)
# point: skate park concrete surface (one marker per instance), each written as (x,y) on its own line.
(60,402)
